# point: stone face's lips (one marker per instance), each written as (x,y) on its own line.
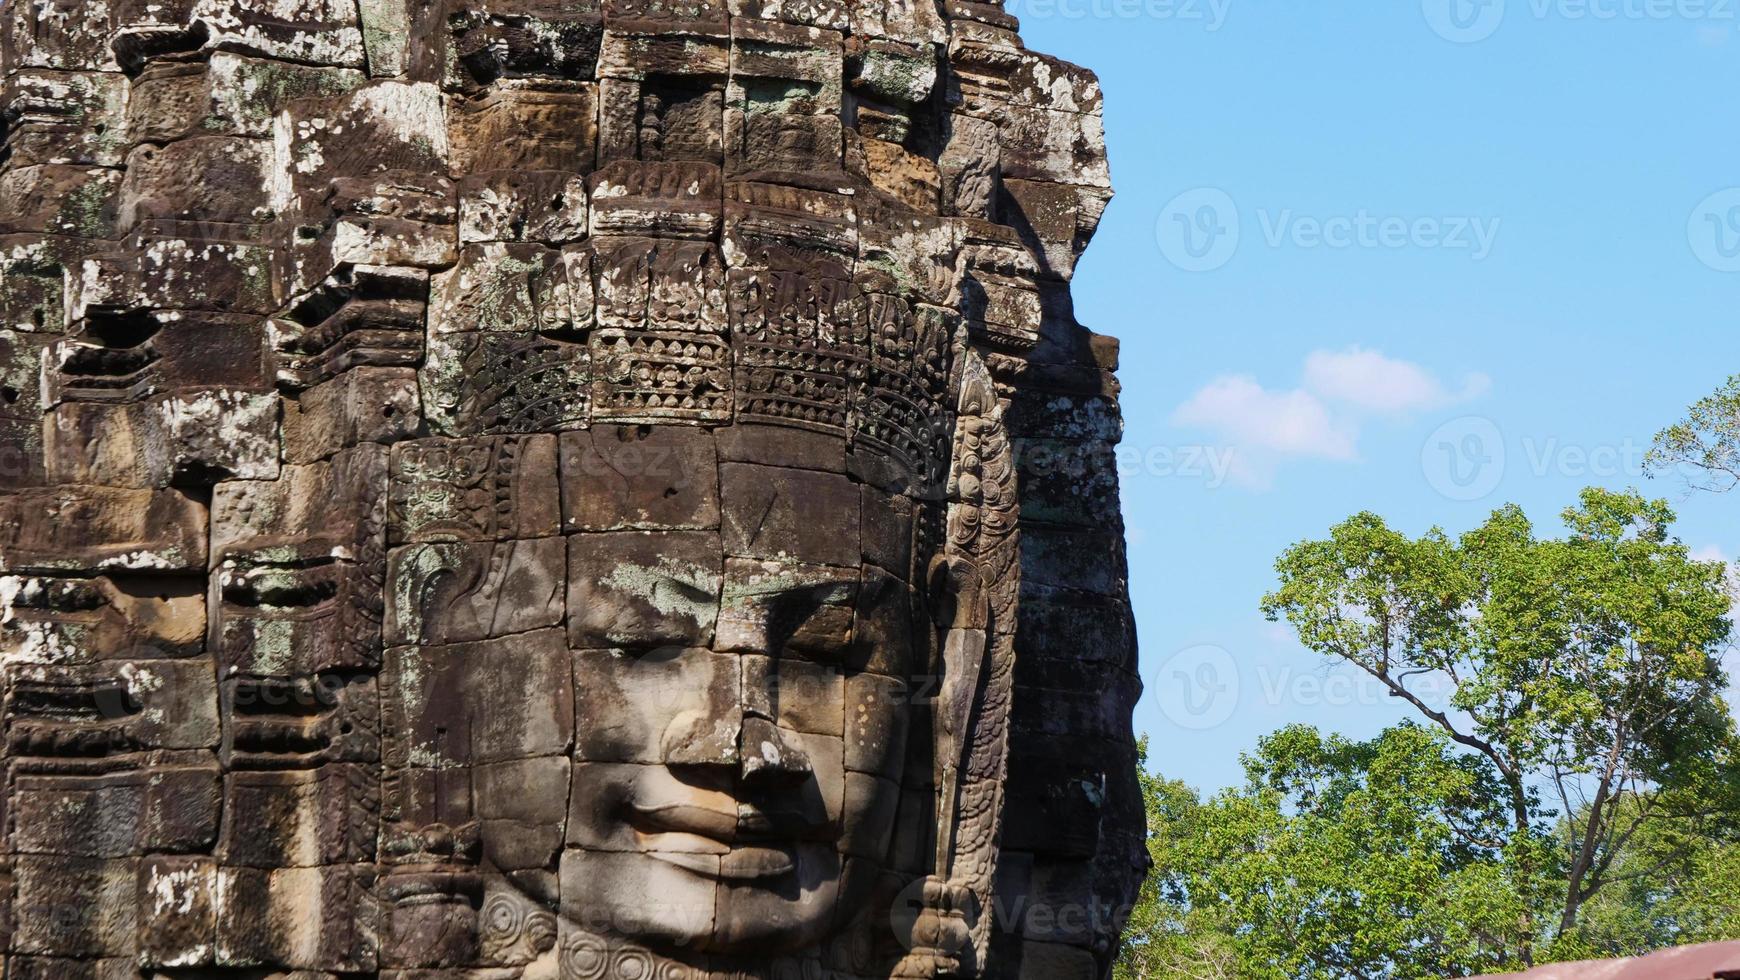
(747,822)
(751,863)
(704,840)
(741,864)
(685,818)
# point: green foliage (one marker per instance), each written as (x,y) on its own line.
(1163,937)
(1569,790)
(1584,668)
(1705,445)
(1675,882)
(1335,859)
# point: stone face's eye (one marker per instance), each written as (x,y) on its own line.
(777,608)
(643,588)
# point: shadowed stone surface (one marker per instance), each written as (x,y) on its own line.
(555,490)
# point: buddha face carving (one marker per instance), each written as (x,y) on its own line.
(708,755)
(734,748)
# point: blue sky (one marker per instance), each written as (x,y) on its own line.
(1477,253)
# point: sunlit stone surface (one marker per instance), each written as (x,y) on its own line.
(511,489)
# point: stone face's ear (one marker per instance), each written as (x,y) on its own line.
(956,593)
(972,587)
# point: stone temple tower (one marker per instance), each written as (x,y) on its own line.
(517,489)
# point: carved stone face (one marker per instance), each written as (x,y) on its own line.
(705,756)
(735,746)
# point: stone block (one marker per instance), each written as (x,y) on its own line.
(673,192)
(331,509)
(887,631)
(659,377)
(227,94)
(1089,561)
(777,513)
(65,117)
(542,126)
(297,918)
(172,809)
(224,179)
(299,818)
(363,405)
(59,199)
(315,32)
(523,206)
(21,453)
(458,592)
(644,50)
(873,801)
(799,695)
(177,900)
(505,382)
(76,907)
(643,589)
(482,489)
(877,719)
(778,445)
(176,271)
(496,40)
(82,620)
(101,529)
(685,707)
(617,477)
(71,37)
(380,128)
(474,703)
(506,287)
(788,609)
(522,806)
(77,816)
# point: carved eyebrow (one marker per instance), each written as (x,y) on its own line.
(692,585)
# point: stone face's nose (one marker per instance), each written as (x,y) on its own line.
(702,737)
(769,756)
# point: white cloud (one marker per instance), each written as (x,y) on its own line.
(1321,418)
(1367,379)
(1290,422)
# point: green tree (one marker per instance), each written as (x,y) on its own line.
(1584,671)
(1163,937)
(1335,859)
(1705,445)
(1674,882)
